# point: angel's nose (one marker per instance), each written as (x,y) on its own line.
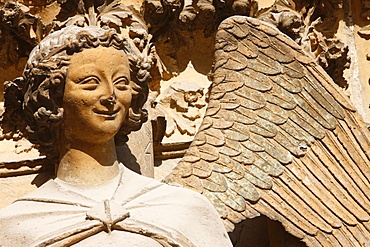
(109,101)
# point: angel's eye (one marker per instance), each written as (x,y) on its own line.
(89,83)
(121,83)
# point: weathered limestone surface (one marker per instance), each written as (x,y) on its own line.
(279,136)
(335,34)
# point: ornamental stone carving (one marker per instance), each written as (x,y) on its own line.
(261,106)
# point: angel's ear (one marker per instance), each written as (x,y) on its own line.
(12,123)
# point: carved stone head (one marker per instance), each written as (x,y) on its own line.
(44,78)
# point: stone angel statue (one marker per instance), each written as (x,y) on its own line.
(82,92)
(280,139)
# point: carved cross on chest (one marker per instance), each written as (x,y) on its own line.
(108,212)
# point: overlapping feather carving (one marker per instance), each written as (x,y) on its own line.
(280,139)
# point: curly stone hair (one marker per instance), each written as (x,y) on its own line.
(44,78)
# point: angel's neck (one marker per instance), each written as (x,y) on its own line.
(88,163)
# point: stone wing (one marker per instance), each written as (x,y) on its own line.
(280,139)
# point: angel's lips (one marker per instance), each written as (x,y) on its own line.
(110,114)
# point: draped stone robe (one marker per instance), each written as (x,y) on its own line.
(130,210)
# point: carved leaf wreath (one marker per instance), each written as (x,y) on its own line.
(280,139)
(109,14)
(105,14)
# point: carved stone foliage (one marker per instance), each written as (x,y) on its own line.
(108,13)
(20,32)
(179,25)
(183,33)
(194,15)
(183,105)
(313,25)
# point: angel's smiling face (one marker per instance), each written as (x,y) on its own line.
(97,94)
